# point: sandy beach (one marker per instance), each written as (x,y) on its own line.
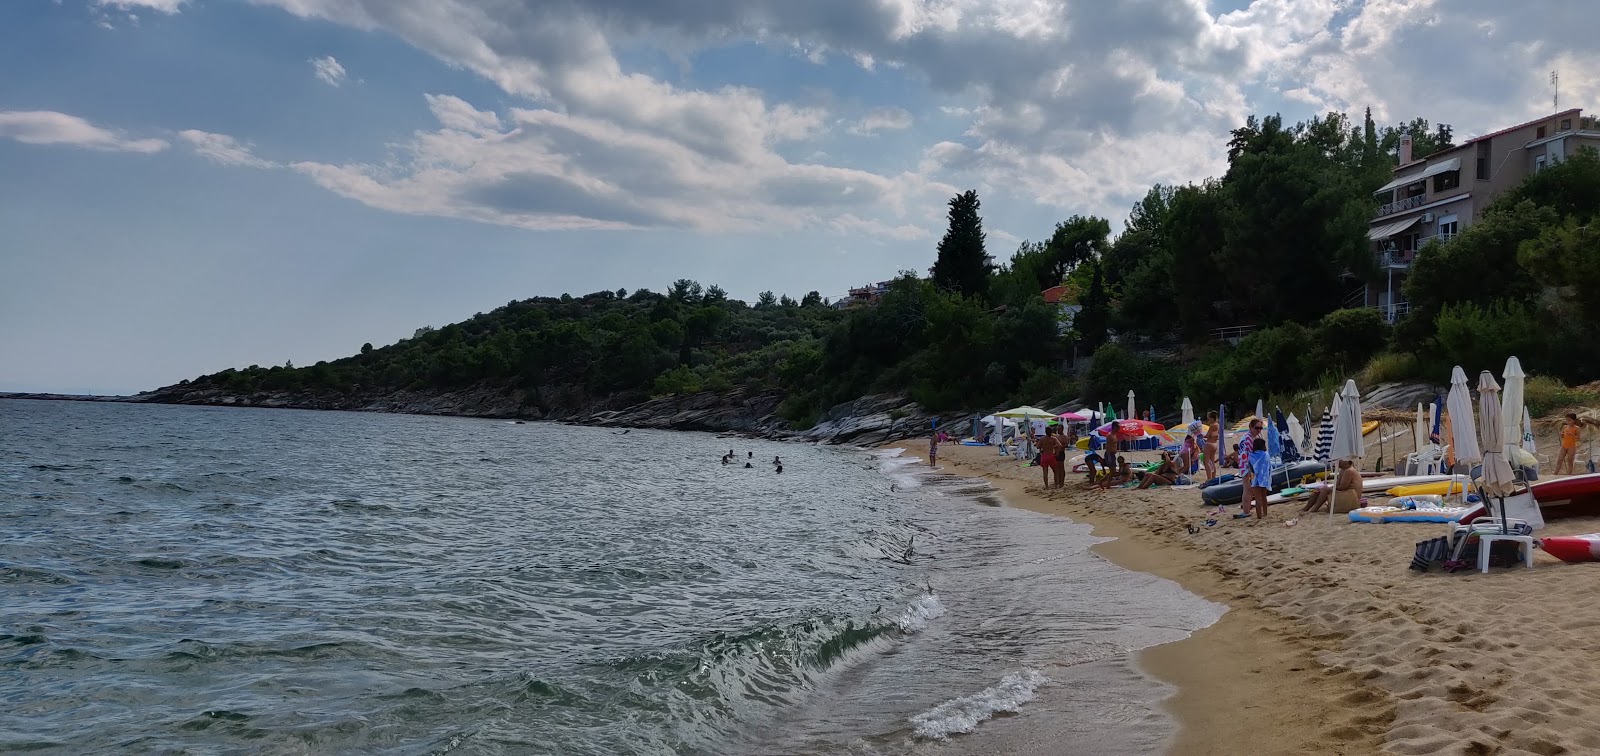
(1333,646)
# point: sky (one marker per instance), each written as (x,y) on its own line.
(192,185)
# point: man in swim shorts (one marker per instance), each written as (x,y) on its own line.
(1049,452)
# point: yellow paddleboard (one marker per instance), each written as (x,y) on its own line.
(1441,488)
(1368,427)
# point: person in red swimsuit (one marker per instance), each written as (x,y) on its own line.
(1049,452)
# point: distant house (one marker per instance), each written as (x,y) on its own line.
(1439,195)
(1065,298)
(863,296)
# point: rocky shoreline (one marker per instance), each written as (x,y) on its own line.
(869,420)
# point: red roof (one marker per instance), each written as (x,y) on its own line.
(1054,294)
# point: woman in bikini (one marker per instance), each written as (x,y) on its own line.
(1165,475)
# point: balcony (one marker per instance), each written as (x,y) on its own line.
(1396,260)
(1402,205)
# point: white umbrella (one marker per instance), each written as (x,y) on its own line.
(1297,433)
(1347,442)
(1419,433)
(1260,411)
(1463,435)
(1188,412)
(1497,478)
(1511,404)
(1527,433)
(1133,413)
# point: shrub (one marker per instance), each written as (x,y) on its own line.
(1390,367)
(1544,395)
(1349,338)
(1478,338)
(679,380)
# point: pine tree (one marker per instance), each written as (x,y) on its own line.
(963,266)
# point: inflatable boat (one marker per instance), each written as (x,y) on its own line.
(1572,496)
(1232,492)
(1580,548)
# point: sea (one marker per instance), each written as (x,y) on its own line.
(206,580)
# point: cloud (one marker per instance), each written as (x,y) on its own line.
(882,119)
(328,70)
(168,7)
(1074,105)
(223,149)
(47,127)
(550,170)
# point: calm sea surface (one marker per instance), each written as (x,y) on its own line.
(209,580)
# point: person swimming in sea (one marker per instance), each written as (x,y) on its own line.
(749,466)
(780,469)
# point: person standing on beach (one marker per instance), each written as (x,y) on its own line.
(1213,445)
(1570,431)
(1096,443)
(1257,480)
(1050,453)
(933,450)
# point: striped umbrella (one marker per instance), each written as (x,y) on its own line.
(1325,435)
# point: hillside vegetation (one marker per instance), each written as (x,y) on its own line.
(1276,243)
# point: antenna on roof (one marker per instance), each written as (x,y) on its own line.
(1555,90)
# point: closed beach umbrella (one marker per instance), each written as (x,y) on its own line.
(1188,412)
(1419,431)
(1527,433)
(1132,409)
(1497,479)
(1296,432)
(1324,445)
(1347,443)
(1511,403)
(1463,434)
(1261,411)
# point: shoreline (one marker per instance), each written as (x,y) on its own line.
(1266,695)
(1331,644)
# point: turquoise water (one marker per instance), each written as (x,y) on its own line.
(210,580)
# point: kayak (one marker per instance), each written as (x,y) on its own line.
(1369,485)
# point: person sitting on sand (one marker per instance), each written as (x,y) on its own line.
(1257,481)
(1345,494)
(1122,476)
(1165,475)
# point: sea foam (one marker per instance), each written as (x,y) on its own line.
(920,613)
(964,714)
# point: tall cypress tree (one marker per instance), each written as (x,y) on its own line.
(1092,321)
(963,266)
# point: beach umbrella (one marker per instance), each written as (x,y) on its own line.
(1297,433)
(1132,409)
(1132,427)
(1324,445)
(1511,403)
(1497,479)
(1436,413)
(1073,417)
(1188,412)
(1025,411)
(1261,411)
(1347,443)
(1419,431)
(1222,433)
(1463,435)
(1274,442)
(1527,433)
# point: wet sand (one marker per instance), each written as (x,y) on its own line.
(1333,646)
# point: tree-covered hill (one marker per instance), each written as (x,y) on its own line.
(1276,243)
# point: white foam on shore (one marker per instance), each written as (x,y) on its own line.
(922,611)
(964,714)
(903,471)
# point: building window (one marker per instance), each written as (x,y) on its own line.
(1416,190)
(1483,160)
(1566,124)
(1538,163)
(1446,181)
(1449,228)
(1539,134)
